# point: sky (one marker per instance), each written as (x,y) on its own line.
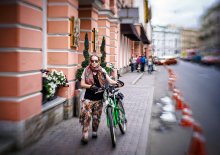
(184,13)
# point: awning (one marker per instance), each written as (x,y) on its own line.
(129,31)
(143,36)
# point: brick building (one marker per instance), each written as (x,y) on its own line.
(49,34)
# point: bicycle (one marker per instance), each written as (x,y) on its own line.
(114,109)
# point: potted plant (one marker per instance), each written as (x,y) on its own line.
(52,81)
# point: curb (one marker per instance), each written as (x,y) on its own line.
(135,81)
(143,140)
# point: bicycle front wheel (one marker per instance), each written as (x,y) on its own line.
(122,124)
(111,126)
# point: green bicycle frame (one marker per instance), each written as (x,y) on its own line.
(115,111)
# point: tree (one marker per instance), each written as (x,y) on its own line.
(103,57)
(86,56)
(102,49)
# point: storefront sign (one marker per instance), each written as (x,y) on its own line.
(95,40)
(74,32)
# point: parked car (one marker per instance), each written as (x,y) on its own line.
(170,61)
(197,58)
(160,61)
(211,60)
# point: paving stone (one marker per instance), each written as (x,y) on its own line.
(64,138)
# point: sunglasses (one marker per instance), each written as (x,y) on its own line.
(94,61)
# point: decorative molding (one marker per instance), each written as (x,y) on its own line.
(82,41)
(62,3)
(103,27)
(20,50)
(58,34)
(53,103)
(58,19)
(63,50)
(30,5)
(85,30)
(19,99)
(113,40)
(24,26)
(104,36)
(19,74)
(62,66)
(88,18)
(44,36)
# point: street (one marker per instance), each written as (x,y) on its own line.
(200,88)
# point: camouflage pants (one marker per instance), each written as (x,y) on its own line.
(90,110)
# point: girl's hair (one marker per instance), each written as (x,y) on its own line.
(95,56)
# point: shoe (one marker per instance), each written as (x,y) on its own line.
(94,135)
(84,140)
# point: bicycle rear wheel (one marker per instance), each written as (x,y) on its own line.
(111,126)
(121,115)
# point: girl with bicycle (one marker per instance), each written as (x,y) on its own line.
(93,78)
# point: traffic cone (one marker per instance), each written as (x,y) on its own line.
(169,70)
(197,127)
(186,111)
(179,103)
(173,76)
(197,145)
(171,85)
(176,91)
(186,121)
(175,96)
(186,106)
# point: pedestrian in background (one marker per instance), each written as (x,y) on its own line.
(143,62)
(138,62)
(150,64)
(132,62)
(93,77)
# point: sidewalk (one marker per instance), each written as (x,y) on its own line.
(65,137)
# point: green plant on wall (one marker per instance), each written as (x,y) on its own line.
(103,57)
(86,56)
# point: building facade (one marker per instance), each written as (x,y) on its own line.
(49,34)
(189,39)
(210,29)
(166,40)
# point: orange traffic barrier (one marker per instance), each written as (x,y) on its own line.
(179,103)
(169,70)
(197,127)
(173,76)
(171,85)
(175,95)
(197,145)
(186,111)
(186,121)
(177,91)
(186,106)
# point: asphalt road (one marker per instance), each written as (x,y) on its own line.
(174,140)
(200,86)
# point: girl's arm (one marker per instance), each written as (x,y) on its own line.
(84,85)
(110,80)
